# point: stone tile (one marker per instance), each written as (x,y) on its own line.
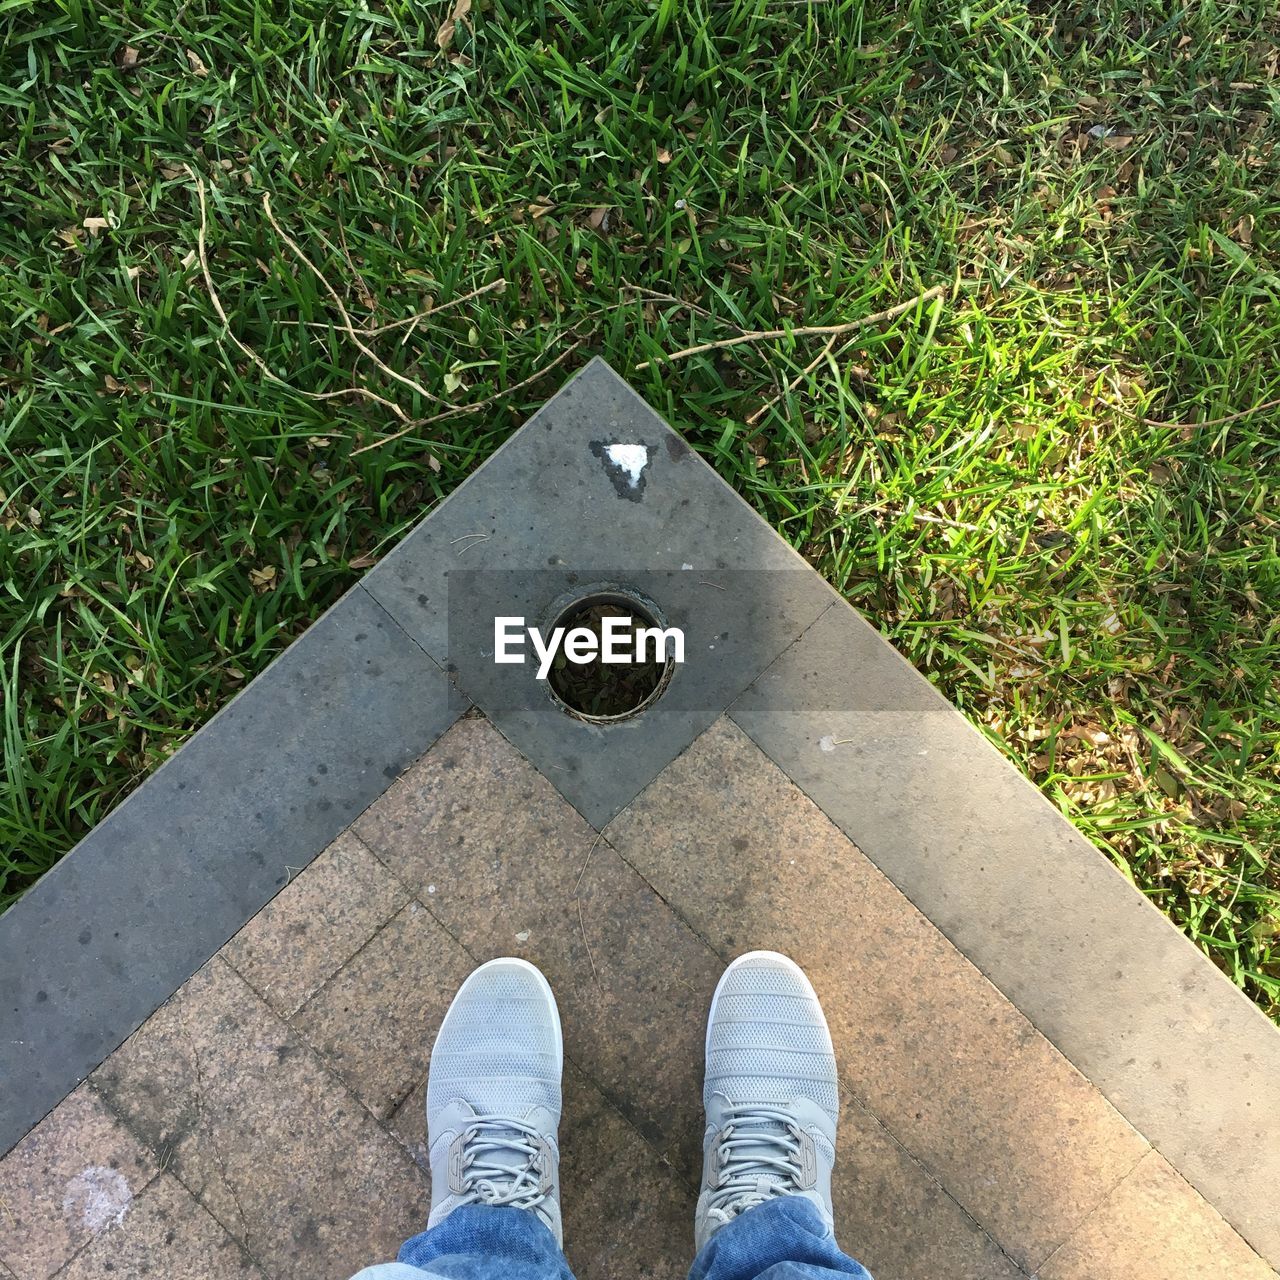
(309,930)
(165,1233)
(158,886)
(472,799)
(1154,1226)
(1185,1056)
(505,856)
(627,1213)
(264,1136)
(958,1075)
(375,1021)
(77,1172)
(896,1219)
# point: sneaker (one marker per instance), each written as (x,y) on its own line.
(493,1096)
(771,1093)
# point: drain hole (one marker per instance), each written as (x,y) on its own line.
(602,691)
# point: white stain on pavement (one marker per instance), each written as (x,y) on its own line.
(97,1197)
(630,458)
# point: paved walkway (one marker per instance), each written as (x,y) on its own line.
(267,1120)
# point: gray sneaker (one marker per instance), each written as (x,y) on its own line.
(493,1095)
(771,1093)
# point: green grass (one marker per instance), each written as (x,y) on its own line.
(1101,595)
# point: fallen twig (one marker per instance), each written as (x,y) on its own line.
(347,326)
(1265,407)
(461,409)
(795,382)
(582,925)
(418,316)
(806,331)
(202,255)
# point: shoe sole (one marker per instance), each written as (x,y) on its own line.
(508,962)
(774,956)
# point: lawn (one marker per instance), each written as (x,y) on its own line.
(276,277)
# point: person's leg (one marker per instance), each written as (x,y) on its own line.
(772,1102)
(493,1110)
(785,1239)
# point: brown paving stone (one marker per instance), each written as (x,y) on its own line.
(165,1233)
(1154,1226)
(505,856)
(896,1219)
(265,1137)
(472,797)
(75,1174)
(627,1214)
(375,1021)
(1021,1140)
(311,928)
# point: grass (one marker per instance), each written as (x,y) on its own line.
(1027,483)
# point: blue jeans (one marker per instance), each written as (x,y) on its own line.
(782,1239)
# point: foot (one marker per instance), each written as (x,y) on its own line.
(493,1096)
(771,1094)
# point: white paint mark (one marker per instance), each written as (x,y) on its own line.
(686,566)
(631,458)
(98,1197)
(431,888)
(523,935)
(827,742)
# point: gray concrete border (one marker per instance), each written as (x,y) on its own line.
(169,875)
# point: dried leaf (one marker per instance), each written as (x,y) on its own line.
(129,58)
(261,579)
(95,225)
(664,156)
(362,561)
(448,28)
(196,64)
(537,211)
(596,218)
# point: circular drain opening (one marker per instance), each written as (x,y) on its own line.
(602,691)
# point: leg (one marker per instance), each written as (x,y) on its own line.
(772,1102)
(785,1239)
(493,1110)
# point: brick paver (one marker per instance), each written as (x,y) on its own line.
(73,1176)
(165,1233)
(262,1133)
(1154,1226)
(314,926)
(375,1020)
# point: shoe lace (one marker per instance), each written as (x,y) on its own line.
(503,1162)
(759,1156)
